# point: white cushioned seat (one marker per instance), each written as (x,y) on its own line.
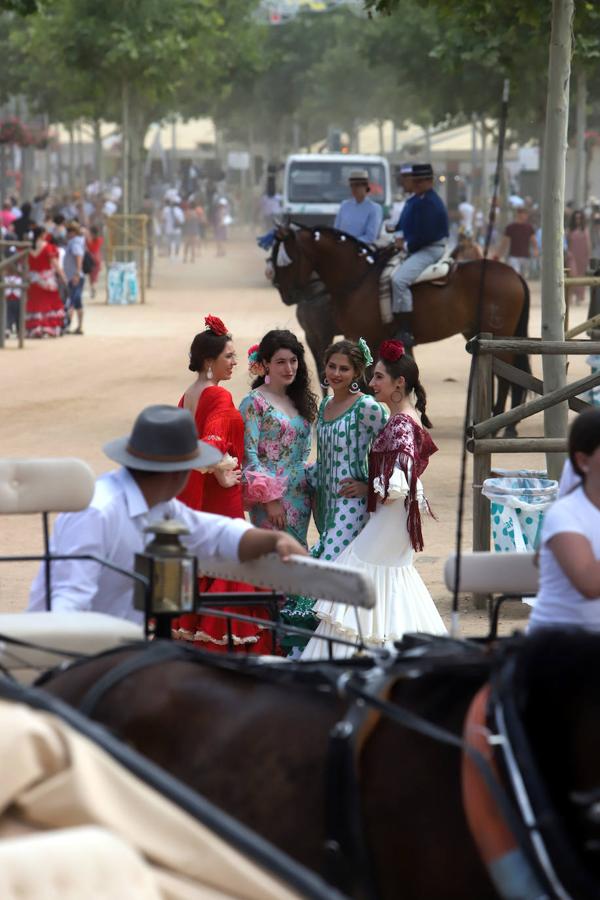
(88,863)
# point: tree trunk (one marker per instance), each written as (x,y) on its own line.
(71,158)
(580,187)
(137,159)
(553,194)
(380,137)
(3,189)
(483,188)
(98,152)
(125,147)
(471,190)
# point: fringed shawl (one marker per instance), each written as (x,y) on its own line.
(401,441)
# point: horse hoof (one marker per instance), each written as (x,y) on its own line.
(510,432)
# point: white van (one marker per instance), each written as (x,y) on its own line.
(316,183)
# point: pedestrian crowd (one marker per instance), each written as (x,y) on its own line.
(67,235)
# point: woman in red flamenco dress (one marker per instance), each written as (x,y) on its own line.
(219,423)
(44,313)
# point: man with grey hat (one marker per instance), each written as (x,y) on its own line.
(360,216)
(423,231)
(155,459)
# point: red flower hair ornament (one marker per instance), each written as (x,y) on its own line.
(392,351)
(215,325)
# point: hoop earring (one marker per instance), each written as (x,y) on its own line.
(209,373)
(324,382)
(354,388)
(267,378)
(401,398)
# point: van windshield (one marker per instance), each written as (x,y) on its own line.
(327,181)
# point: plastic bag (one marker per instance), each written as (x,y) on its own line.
(517,510)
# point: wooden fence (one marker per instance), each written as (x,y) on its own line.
(482,441)
(21,258)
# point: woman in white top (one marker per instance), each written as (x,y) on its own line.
(569,594)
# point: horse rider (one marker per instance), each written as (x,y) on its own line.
(360,216)
(423,230)
(155,462)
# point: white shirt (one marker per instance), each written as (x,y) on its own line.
(558,600)
(568,479)
(467,213)
(112,527)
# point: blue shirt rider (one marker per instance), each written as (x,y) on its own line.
(360,216)
(423,230)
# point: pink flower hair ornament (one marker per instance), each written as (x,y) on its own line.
(255,363)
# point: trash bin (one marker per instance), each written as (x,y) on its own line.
(122,282)
(593,395)
(518,503)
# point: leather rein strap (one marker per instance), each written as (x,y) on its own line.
(348,858)
(155,655)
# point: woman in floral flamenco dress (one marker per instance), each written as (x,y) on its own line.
(44,313)
(218,422)
(278,414)
(385,547)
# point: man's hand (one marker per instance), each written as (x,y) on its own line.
(287,546)
(399,242)
(259,541)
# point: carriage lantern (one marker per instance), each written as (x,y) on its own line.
(171,573)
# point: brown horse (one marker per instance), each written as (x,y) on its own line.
(350,272)
(255,740)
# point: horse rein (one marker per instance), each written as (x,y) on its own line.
(348,861)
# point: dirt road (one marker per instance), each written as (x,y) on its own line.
(67,397)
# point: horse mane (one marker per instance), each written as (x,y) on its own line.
(379,255)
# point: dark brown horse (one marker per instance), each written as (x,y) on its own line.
(255,739)
(351,273)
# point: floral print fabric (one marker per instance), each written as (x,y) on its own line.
(276,448)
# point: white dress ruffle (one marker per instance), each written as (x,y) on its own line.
(403,604)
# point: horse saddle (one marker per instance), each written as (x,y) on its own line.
(438,273)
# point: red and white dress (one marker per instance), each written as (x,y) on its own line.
(44,313)
(384,550)
(219,423)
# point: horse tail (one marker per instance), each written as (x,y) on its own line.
(521,359)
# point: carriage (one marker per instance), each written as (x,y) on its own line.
(364,755)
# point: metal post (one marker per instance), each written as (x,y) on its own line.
(482,410)
(47,560)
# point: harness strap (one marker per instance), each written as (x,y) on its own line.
(348,861)
(161,652)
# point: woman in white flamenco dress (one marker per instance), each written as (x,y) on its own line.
(385,548)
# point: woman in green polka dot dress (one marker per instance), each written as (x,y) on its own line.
(347,424)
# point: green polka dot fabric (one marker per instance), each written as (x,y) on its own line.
(343,446)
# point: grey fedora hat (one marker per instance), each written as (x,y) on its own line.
(163,439)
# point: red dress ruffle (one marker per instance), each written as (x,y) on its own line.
(219,423)
(44,312)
